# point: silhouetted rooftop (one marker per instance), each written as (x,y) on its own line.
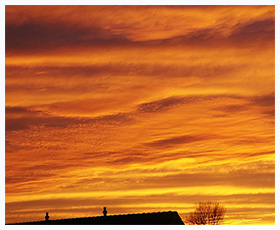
(155,218)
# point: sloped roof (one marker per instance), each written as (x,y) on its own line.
(155,218)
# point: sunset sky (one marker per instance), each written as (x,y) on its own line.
(139,109)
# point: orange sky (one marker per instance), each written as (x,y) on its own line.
(139,109)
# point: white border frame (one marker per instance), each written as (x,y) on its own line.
(134,2)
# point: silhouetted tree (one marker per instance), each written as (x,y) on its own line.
(207,213)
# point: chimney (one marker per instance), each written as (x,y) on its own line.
(47,216)
(104,211)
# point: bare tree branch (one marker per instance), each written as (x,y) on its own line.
(207,213)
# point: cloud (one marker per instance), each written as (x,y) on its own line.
(19,118)
(35,35)
(246,178)
(12,147)
(94,71)
(172,198)
(159,105)
(233,108)
(262,31)
(114,119)
(31,35)
(163,104)
(92,107)
(255,31)
(173,141)
(265,100)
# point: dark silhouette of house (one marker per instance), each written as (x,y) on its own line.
(155,218)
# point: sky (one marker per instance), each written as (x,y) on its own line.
(139,109)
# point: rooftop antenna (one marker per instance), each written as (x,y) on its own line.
(104,211)
(47,216)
